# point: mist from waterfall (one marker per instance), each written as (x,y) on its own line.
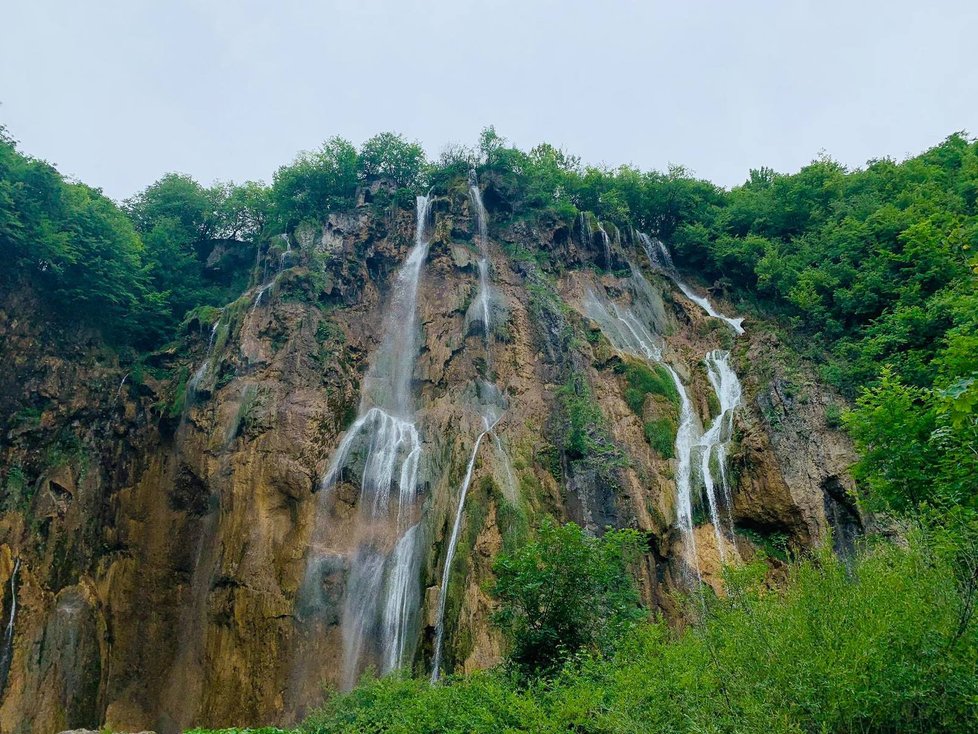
(382,599)
(660,259)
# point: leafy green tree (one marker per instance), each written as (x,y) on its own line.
(391,157)
(315,184)
(566,592)
(892,425)
(72,244)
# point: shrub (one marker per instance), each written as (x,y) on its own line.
(566,592)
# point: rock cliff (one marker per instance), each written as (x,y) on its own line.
(159,515)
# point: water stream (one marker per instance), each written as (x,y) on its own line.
(713,444)
(660,259)
(492,406)
(450,554)
(627,334)
(382,598)
(480,311)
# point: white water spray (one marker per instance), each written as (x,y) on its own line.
(713,444)
(481,305)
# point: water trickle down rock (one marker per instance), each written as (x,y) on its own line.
(660,259)
(479,315)
(7,652)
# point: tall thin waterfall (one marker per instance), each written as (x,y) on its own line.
(605,244)
(193,384)
(450,554)
(686,436)
(481,309)
(659,258)
(713,444)
(7,653)
(493,405)
(383,586)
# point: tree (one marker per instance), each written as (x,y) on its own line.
(391,157)
(568,591)
(891,426)
(315,184)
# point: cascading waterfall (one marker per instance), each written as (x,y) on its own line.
(7,653)
(660,259)
(450,553)
(383,586)
(713,444)
(627,334)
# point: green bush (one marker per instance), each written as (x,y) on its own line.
(566,592)
(661,435)
(642,380)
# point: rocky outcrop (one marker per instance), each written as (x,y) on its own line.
(162,510)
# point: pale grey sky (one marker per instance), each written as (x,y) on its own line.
(118,92)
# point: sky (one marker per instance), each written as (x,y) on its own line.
(118,92)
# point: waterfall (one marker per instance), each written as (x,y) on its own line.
(627,334)
(685,439)
(714,442)
(260,295)
(450,555)
(660,259)
(606,244)
(493,405)
(193,384)
(7,653)
(382,590)
(586,234)
(482,303)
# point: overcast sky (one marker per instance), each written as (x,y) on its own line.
(118,92)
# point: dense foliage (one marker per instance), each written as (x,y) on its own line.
(873,647)
(136,271)
(74,243)
(564,593)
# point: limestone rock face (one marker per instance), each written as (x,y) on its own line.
(157,519)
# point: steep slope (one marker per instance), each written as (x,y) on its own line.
(181,552)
